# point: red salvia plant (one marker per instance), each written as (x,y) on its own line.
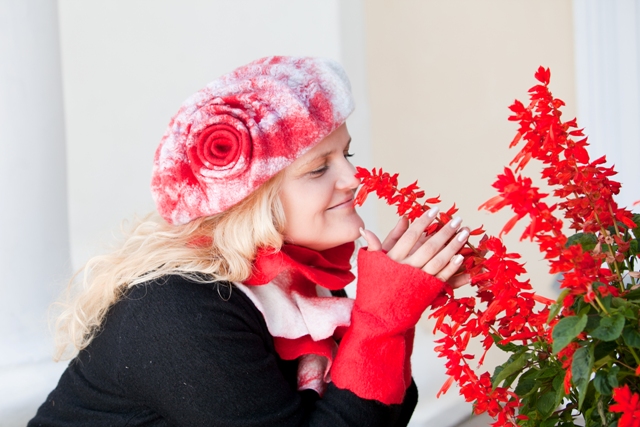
(577,356)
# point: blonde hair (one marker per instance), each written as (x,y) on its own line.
(215,248)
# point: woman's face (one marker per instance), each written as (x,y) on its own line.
(318,193)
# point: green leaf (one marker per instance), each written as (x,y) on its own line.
(631,337)
(531,373)
(558,382)
(630,312)
(585,308)
(603,349)
(551,371)
(636,218)
(610,327)
(601,383)
(550,422)
(546,404)
(588,241)
(633,295)
(510,347)
(593,321)
(554,309)
(510,368)
(581,371)
(556,306)
(566,330)
(510,379)
(558,386)
(587,416)
(525,386)
(618,302)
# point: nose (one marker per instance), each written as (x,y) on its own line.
(347,178)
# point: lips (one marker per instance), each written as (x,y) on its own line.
(345,203)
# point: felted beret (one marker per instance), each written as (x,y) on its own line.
(243,128)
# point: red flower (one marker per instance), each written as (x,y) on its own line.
(504,309)
(628,404)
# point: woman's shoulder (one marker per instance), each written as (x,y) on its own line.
(151,318)
(182,287)
(182,301)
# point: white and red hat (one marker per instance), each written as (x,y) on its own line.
(241,129)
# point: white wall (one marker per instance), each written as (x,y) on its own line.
(441,77)
(34,246)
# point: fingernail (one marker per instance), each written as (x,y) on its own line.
(455,222)
(362,232)
(462,236)
(431,213)
(457,259)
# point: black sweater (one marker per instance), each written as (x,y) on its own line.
(174,353)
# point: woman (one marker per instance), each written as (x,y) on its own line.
(229,310)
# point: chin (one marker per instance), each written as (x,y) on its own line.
(355,232)
(351,231)
(341,236)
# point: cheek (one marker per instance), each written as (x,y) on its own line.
(301,209)
(311,197)
(306,218)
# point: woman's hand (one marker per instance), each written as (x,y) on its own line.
(393,291)
(435,254)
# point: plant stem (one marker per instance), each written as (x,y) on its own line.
(626,261)
(635,356)
(604,233)
(600,304)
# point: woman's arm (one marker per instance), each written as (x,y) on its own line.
(395,286)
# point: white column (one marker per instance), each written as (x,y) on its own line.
(607,47)
(34,247)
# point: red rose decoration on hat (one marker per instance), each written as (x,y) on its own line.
(243,128)
(221,147)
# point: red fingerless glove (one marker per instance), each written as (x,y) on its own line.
(373,359)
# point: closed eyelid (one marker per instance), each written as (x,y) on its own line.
(319,171)
(320,162)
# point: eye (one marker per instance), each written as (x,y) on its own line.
(319,171)
(347,154)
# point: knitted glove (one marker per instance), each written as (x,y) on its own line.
(373,359)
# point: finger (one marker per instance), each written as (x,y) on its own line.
(443,258)
(373,243)
(421,241)
(458,280)
(395,234)
(451,268)
(403,246)
(433,246)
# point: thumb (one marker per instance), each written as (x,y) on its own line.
(373,243)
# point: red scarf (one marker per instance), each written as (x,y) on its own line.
(302,269)
(330,268)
